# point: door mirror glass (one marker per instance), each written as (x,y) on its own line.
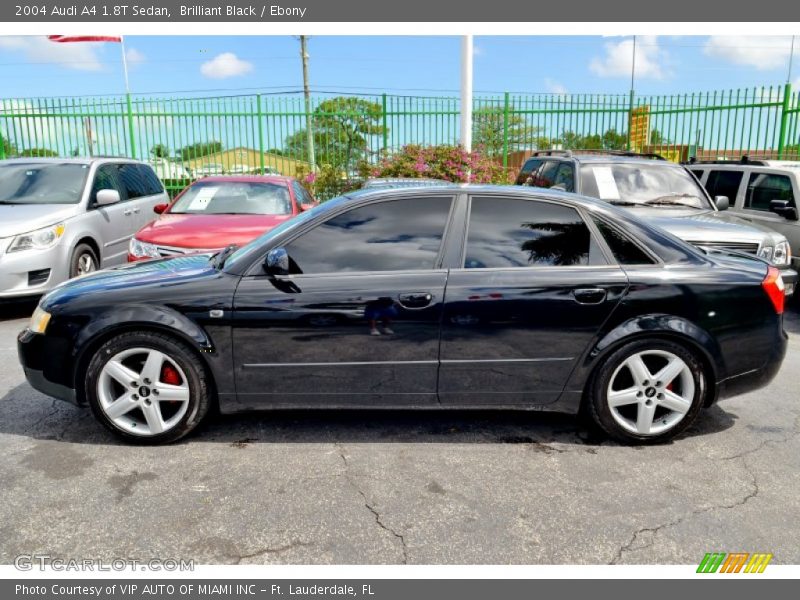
(784,209)
(106,197)
(160,208)
(277,262)
(722,202)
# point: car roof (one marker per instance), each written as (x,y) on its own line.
(285,179)
(790,165)
(56,160)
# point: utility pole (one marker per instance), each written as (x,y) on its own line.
(791,57)
(307,94)
(466,92)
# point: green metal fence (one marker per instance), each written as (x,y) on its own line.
(189,137)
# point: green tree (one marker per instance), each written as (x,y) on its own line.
(159,151)
(38,152)
(488,130)
(343,127)
(9,148)
(200,149)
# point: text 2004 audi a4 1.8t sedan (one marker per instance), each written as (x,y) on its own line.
(445,297)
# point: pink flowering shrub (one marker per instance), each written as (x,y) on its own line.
(451,163)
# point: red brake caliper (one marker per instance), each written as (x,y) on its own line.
(170,375)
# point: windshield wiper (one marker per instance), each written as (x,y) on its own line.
(623,203)
(671,200)
(218,260)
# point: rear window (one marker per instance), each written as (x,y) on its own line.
(245,198)
(530,166)
(625,250)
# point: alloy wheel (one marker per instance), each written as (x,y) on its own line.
(143,391)
(650,392)
(86,264)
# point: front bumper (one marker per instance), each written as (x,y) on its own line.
(47,365)
(32,272)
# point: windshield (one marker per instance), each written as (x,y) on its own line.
(39,183)
(233,198)
(642,184)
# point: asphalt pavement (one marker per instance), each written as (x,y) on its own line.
(398,487)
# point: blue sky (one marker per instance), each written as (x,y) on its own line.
(33,66)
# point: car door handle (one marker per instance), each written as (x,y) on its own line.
(415,299)
(127,212)
(136,211)
(589,295)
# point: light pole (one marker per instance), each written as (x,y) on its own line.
(307,95)
(466,92)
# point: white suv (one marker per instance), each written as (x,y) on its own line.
(65,217)
(764,192)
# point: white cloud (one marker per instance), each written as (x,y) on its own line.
(763,52)
(225,65)
(81,56)
(651,59)
(554,87)
(134,56)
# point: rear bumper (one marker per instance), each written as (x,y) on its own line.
(757,378)
(46,366)
(789,276)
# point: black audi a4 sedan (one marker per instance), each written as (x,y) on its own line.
(466,297)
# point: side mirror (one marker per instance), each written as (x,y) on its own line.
(160,208)
(722,202)
(106,197)
(277,262)
(784,209)
(305,207)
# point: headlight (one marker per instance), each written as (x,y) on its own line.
(141,249)
(782,254)
(39,320)
(766,253)
(41,239)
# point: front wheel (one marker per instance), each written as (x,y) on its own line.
(147,388)
(648,391)
(83,261)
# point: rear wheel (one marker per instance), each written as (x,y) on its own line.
(147,388)
(647,392)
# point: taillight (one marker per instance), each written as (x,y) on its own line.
(773,285)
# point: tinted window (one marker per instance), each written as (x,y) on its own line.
(152,183)
(724,183)
(385,236)
(506,232)
(546,176)
(132,180)
(107,178)
(763,188)
(530,166)
(624,249)
(302,196)
(565,177)
(698,173)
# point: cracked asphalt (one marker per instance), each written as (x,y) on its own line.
(398,487)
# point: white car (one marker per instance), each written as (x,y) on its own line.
(65,217)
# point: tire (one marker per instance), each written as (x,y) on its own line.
(83,261)
(148,388)
(622,398)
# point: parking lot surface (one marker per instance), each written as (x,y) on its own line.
(398,487)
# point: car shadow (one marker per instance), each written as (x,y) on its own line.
(791,316)
(25,412)
(17,309)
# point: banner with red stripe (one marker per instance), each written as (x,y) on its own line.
(84,38)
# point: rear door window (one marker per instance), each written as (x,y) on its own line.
(531,166)
(133,180)
(724,183)
(763,188)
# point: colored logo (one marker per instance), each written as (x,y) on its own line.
(736,562)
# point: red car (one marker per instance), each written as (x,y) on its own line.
(215,212)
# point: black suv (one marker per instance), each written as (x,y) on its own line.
(665,194)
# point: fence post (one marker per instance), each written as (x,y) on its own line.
(385,124)
(2,146)
(260,117)
(630,119)
(505,130)
(131,130)
(787,95)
